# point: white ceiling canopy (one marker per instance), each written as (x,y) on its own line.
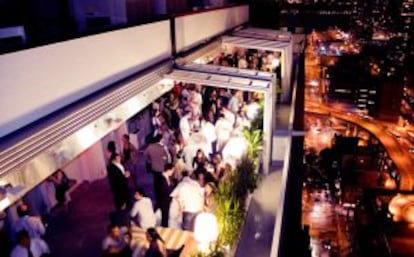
(267,34)
(220,80)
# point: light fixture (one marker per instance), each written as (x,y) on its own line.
(275,63)
(205,230)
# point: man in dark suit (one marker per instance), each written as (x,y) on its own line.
(166,186)
(157,157)
(118,180)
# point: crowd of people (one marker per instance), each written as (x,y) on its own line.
(28,230)
(196,142)
(253,59)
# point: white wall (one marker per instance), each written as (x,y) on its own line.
(191,30)
(38,81)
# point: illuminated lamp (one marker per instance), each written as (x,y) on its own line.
(275,63)
(86,136)
(205,230)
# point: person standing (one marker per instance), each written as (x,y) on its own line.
(142,212)
(118,181)
(227,113)
(29,247)
(32,224)
(129,157)
(210,203)
(110,149)
(165,188)
(156,156)
(62,184)
(235,101)
(208,130)
(190,197)
(223,131)
(184,125)
(199,162)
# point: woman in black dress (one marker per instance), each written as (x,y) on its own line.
(156,247)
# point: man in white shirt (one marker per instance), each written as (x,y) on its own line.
(29,247)
(184,125)
(32,224)
(235,148)
(235,101)
(190,197)
(196,101)
(223,130)
(142,212)
(116,243)
(208,130)
(229,116)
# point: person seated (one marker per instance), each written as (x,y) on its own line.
(142,212)
(116,243)
(32,224)
(29,247)
(156,246)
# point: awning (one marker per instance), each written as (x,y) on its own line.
(40,153)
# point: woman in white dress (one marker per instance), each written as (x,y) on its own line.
(223,131)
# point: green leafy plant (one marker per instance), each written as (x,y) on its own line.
(230,215)
(257,123)
(232,194)
(231,198)
(215,251)
(245,178)
(254,139)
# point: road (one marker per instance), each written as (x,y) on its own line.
(397,151)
